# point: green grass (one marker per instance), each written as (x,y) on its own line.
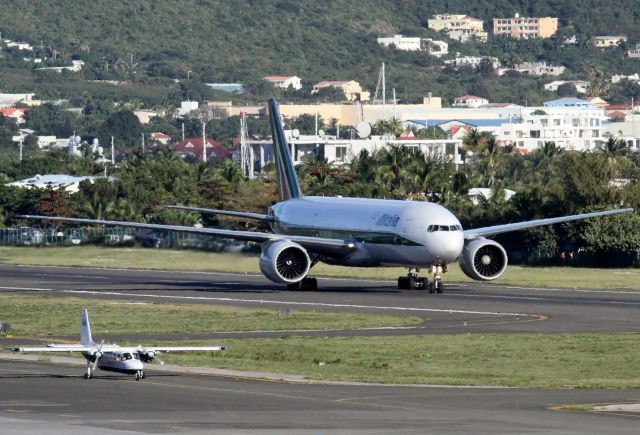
(55,315)
(523,360)
(95,256)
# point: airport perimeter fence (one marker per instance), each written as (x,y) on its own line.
(35,236)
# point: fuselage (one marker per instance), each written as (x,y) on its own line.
(386,232)
(122,361)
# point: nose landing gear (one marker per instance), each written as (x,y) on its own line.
(413,282)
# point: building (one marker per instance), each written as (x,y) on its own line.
(634,53)
(76,66)
(608,42)
(469,101)
(403,43)
(580,85)
(539,69)
(145,115)
(285,82)
(55,182)
(436,48)
(459,27)
(161,138)
(19,45)
(187,107)
(191,148)
(523,27)
(15,114)
(632,78)
(472,61)
(352,89)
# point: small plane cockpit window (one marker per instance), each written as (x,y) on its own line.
(126,356)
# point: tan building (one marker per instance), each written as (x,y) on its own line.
(458,27)
(352,89)
(522,27)
(608,42)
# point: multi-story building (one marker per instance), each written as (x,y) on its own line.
(458,27)
(580,85)
(469,101)
(472,61)
(523,27)
(539,69)
(404,43)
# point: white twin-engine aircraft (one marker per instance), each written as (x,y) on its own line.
(112,357)
(356,232)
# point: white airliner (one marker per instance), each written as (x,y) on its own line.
(112,357)
(356,232)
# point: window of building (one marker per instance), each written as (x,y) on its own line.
(341,154)
(534,133)
(556,122)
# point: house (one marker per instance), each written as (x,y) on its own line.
(191,147)
(11,99)
(523,27)
(599,102)
(471,61)
(76,66)
(161,138)
(608,42)
(68,183)
(459,27)
(352,89)
(285,82)
(436,48)
(580,85)
(633,78)
(145,115)
(403,43)
(539,69)
(187,107)
(469,101)
(16,114)
(634,53)
(570,102)
(19,45)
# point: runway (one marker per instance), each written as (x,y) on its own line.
(37,393)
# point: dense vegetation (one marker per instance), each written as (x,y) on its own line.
(148,44)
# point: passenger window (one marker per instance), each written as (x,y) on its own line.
(431,228)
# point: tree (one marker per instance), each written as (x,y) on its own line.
(567,90)
(124,127)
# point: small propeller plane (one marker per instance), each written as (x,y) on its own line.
(112,357)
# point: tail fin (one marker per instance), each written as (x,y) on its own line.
(85,329)
(288,186)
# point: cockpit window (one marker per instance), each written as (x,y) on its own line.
(434,228)
(126,356)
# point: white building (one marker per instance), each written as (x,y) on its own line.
(19,45)
(472,61)
(436,48)
(187,107)
(285,82)
(571,123)
(76,66)
(580,85)
(634,53)
(54,181)
(633,78)
(539,69)
(404,43)
(469,101)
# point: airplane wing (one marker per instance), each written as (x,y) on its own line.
(498,229)
(56,348)
(315,244)
(177,348)
(241,214)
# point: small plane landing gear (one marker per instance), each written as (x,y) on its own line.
(139,375)
(88,376)
(307,284)
(412,280)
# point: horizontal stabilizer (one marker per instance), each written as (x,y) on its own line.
(240,214)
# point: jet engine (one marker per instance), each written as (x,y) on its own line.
(284,262)
(482,259)
(147,356)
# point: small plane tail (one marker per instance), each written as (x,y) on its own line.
(288,186)
(85,329)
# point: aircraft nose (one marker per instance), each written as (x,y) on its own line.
(448,246)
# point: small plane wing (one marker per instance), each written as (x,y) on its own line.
(241,214)
(177,348)
(498,229)
(56,348)
(314,244)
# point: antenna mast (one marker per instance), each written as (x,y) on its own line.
(246,151)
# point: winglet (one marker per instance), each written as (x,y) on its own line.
(85,329)
(288,186)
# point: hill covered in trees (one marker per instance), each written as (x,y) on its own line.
(149,44)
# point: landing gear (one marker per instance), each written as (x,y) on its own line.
(140,375)
(307,284)
(412,280)
(88,374)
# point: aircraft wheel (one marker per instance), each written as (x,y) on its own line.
(431,289)
(293,287)
(138,376)
(143,375)
(87,376)
(438,285)
(421,283)
(309,284)
(403,282)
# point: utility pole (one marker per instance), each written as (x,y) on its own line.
(142,143)
(113,154)
(204,141)
(21,142)
(183,131)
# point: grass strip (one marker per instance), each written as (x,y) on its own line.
(523,360)
(54,315)
(106,257)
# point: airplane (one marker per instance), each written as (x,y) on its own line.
(111,357)
(357,232)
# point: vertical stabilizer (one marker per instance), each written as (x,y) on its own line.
(85,329)
(288,186)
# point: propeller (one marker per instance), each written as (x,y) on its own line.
(97,356)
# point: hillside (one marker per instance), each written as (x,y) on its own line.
(149,43)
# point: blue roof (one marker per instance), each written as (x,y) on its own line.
(471,122)
(569,102)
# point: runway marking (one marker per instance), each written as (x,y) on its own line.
(273,302)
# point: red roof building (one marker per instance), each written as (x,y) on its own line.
(17,114)
(192,147)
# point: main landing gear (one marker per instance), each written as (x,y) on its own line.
(140,375)
(307,284)
(413,282)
